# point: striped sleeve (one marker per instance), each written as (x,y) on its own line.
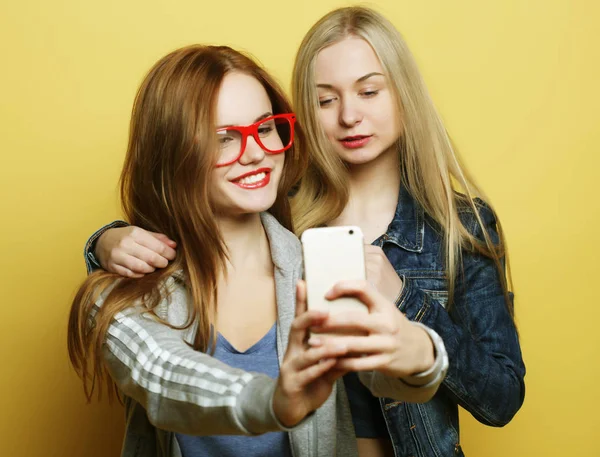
(183,390)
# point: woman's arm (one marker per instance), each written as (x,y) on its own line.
(486,370)
(183,390)
(395,358)
(190,392)
(416,388)
(128,251)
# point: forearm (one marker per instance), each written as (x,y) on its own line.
(485,374)
(181,389)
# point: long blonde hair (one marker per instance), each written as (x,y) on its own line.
(165,187)
(430,167)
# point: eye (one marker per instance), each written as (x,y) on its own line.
(225,140)
(369,93)
(265,129)
(325,102)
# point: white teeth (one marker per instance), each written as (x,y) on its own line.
(253,179)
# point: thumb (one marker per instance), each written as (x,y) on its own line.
(300,297)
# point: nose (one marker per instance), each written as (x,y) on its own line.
(350,114)
(253,153)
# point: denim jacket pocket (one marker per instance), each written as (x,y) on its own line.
(441,296)
(433,283)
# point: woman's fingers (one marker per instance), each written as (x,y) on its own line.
(314,372)
(143,258)
(301,324)
(315,363)
(358,322)
(304,319)
(134,249)
(373,344)
(300,297)
(147,247)
(122,271)
(308,319)
(130,262)
(360,289)
(311,356)
(157,243)
(368,363)
(165,239)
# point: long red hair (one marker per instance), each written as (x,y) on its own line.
(165,186)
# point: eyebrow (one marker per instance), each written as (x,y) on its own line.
(359,80)
(259,118)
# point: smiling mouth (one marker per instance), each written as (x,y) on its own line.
(354,142)
(254,180)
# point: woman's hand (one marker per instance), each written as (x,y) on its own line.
(381,273)
(133,252)
(303,383)
(390,344)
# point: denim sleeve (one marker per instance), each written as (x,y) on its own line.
(89,256)
(486,370)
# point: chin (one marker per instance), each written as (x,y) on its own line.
(359,156)
(251,204)
(366,155)
(257,207)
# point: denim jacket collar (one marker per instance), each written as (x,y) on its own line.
(408,226)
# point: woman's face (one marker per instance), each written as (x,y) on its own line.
(357,107)
(248,185)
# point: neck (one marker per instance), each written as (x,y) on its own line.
(374,186)
(246,242)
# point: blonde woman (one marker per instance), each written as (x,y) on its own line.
(380,158)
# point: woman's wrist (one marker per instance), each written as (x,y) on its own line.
(436,370)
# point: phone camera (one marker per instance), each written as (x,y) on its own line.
(351,232)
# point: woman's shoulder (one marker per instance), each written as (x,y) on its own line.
(172,304)
(463,205)
(469,219)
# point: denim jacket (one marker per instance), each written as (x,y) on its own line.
(486,369)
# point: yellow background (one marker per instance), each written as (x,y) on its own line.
(515,80)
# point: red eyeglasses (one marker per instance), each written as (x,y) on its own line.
(274,134)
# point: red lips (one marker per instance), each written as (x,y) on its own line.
(356,141)
(245,181)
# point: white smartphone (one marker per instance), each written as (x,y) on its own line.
(332,254)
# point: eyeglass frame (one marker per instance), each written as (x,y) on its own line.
(252,129)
